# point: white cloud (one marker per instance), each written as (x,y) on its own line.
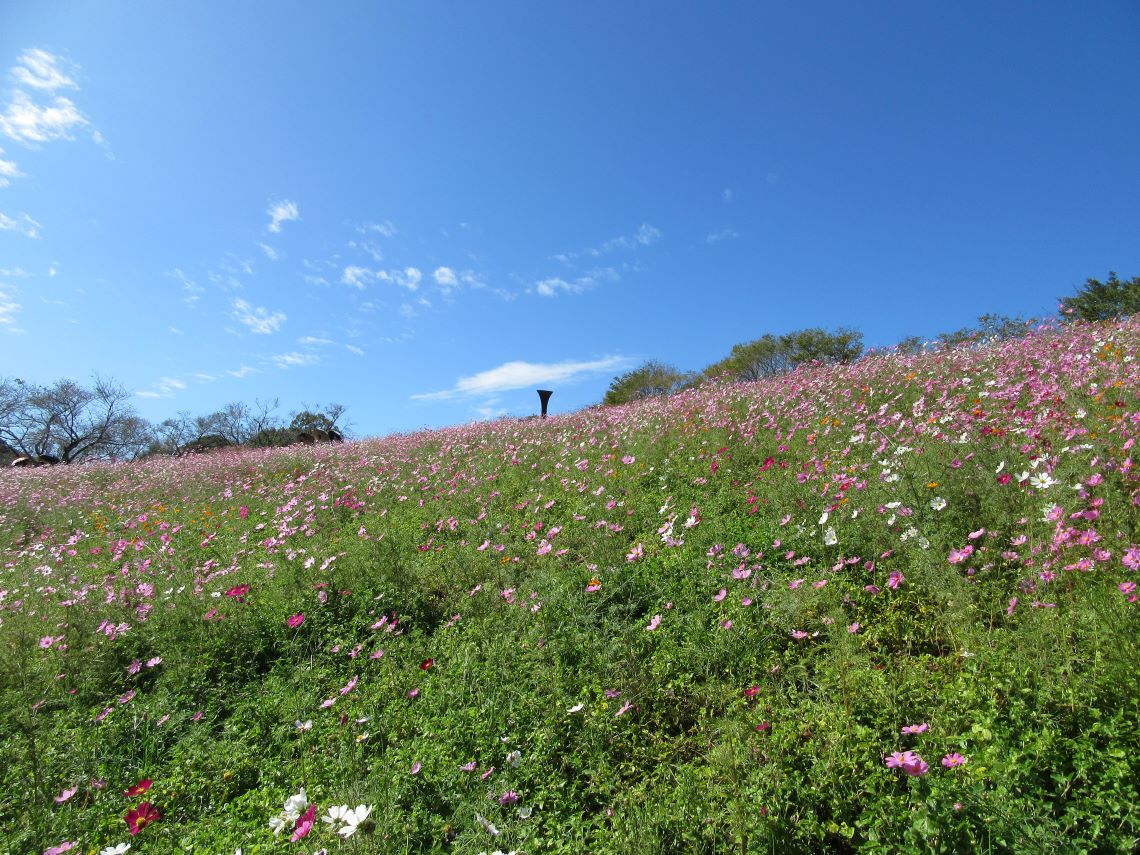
(412,277)
(521,375)
(14,272)
(727,194)
(29,123)
(25,225)
(445,276)
(357,277)
(312,340)
(269,251)
(192,292)
(258,319)
(175,331)
(294,359)
(551,287)
(8,309)
(723,234)
(164,388)
(282,212)
(202,377)
(8,171)
(646,235)
(244,371)
(385,228)
(41,70)
(354,349)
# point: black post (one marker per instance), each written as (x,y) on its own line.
(544,396)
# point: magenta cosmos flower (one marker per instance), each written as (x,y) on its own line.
(296,620)
(953,760)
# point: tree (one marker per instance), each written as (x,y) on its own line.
(318,418)
(770,355)
(70,421)
(1101,301)
(652,378)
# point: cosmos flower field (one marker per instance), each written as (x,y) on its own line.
(884,607)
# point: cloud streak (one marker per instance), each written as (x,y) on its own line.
(521,375)
(257,318)
(284,211)
(646,235)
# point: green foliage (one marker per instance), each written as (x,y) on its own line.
(652,378)
(1100,301)
(770,355)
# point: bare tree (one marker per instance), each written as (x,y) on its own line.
(70,421)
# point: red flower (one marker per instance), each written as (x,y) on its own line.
(751,691)
(140,817)
(138,789)
(426,664)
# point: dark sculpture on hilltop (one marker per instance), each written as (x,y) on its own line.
(315,435)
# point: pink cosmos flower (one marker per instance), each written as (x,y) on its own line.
(853,627)
(895,579)
(138,789)
(916,728)
(304,824)
(720,595)
(508,798)
(908,761)
(653,623)
(626,707)
(140,817)
(953,760)
(60,848)
(468,767)
(296,620)
(65,795)
(415,770)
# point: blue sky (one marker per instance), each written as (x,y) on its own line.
(425,211)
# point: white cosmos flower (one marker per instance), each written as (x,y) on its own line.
(514,758)
(353,818)
(937,503)
(829,537)
(1042,481)
(115,850)
(576,708)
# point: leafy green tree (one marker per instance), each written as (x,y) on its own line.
(652,378)
(1100,301)
(770,355)
(318,418)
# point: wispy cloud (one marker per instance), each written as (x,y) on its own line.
(8,310)
(282,212)
(24,224)
(41,70)
(385,228)
(646,235)
(244,371)
(42,115)
(556,285)
(722,234)
(521,375)
(354,349)
(727,194)
(313,341)
(257,318)
(294,359)
(361,277)
(164,388)
(269,251)
(445,277)
(191,291)
(8,171)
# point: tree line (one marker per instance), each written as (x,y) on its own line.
(771,354)
(68,422)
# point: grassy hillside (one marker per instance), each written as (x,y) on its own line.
(886,607)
